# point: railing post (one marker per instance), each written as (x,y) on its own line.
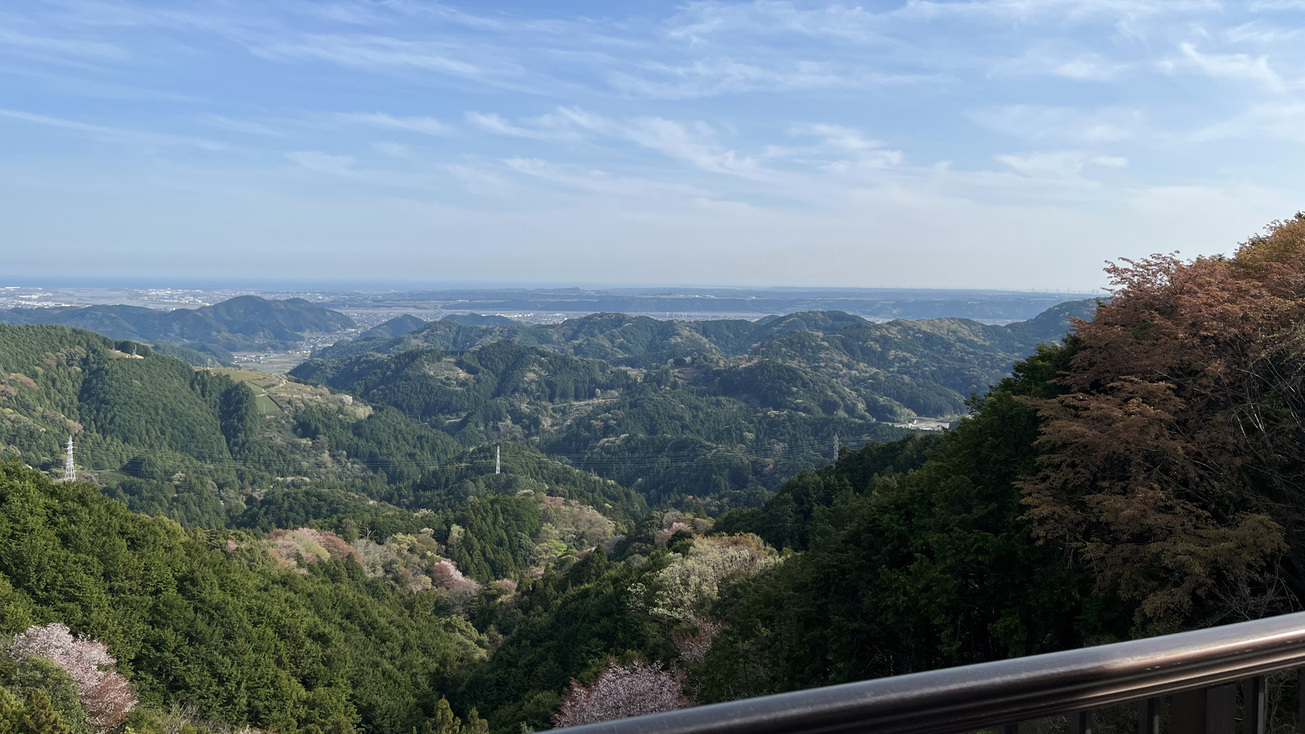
(1083,722)
(1221,709)
(1011,729)
(1148,716)
(1255,699)
(1187,711)
(1300,705)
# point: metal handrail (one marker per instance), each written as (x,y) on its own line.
(1006,692)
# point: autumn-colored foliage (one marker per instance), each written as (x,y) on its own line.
(309,544)
(1172,463)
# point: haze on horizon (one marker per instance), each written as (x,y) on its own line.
(1003,144)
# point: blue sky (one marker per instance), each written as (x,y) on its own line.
(988,143)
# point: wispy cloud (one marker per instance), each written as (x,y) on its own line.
(1234,67)
(245,127)
(393,150)
(1277,120)
(708,78)
(1058,165)
(60,49)
(1038,122)
(700,20)
(1261,6)
(494,123)
(372,52)
(695,143)
(1059,11)
(1260,33)
(839,136)
(840,149)
(419,124)
(603,184)
(322,162)
(109,134)
(1056,60)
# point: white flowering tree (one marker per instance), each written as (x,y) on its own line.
(105,693)
(691,582)
(633,689)
(688,585)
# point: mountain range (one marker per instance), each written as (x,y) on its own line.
(237,324)
(714,412)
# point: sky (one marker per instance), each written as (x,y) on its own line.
(1013,144)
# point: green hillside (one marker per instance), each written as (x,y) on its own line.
(397,326)
(710,414)
(642,341)
(897,369)
(195,618)
(199,445)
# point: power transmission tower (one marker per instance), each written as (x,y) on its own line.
(69,469)
(837,447)
(497,465)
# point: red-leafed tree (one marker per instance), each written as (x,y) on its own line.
(621,691)
(1173,465)
(105,693)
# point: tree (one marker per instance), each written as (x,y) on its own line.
(35,673)
(40,717)
(1172,464)
(474,724)
(690,582)
(11,712)
(105,693)
(445,722)
(622,691)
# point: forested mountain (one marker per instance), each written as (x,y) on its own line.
(641,341)
(713,434)
(243,322)
(709,414)
(201,445)
(928,367)
(397,326)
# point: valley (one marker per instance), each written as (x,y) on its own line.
(530,498)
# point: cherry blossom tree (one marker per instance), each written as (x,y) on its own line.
(621,691)
(105,693)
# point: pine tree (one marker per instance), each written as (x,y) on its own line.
(474,724)
(443,722)
(41,718)
(11,712)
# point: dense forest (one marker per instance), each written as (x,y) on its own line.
(376,568)
(232,449)
(704,415)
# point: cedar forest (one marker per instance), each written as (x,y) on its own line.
(334,551)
